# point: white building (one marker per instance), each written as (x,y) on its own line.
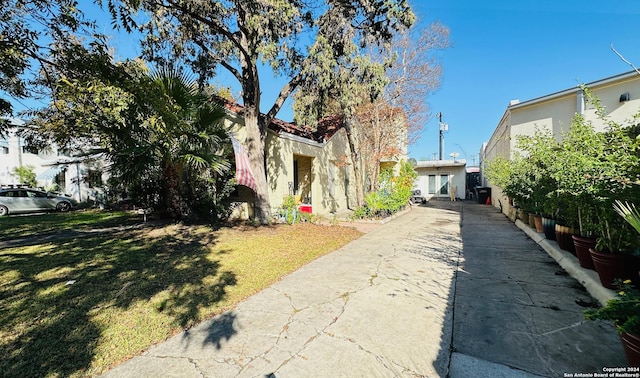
(441,179)
(54,170)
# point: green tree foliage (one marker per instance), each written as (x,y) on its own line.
(25,175)
(28,31)
(301,41)
(162,135)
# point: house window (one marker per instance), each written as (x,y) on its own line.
(4,150)
(94,178)
(432,184)
(444,184)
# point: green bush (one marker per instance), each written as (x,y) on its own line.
(393,194)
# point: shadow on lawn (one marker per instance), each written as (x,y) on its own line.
(50,296)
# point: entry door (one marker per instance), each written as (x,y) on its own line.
(444,185)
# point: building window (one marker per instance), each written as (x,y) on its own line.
(29,150)
(4,150)
(432,184)
(332,179)
(93,178)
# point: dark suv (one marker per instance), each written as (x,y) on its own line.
(26,200)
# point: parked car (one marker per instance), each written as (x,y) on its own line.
(417,197)
(26,200)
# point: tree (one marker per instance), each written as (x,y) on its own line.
(381,136)
(414,73)
(158,130)
(28,28)
(25,175)
(296,39)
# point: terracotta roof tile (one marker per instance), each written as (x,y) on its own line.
(326,128)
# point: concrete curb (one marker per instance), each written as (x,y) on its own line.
(588,278)
(378,221)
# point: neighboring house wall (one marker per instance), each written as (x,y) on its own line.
(555,113)
(439,178)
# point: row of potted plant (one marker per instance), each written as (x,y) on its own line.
(581,184)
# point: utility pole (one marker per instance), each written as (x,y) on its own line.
(443,127)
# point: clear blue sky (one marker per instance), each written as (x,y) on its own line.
(504,50)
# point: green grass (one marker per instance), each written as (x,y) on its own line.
(22,226)
(76,307)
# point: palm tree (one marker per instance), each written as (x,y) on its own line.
(180,144)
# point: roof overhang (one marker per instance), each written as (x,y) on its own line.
(576,89)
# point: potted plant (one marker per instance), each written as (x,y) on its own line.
(585,239)
(614,256)
(624,312)
(566,223)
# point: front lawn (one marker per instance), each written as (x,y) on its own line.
(15,226)
(76,307)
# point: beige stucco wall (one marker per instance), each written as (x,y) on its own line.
(609,96)
(554,115)
(331,183)
(332,187)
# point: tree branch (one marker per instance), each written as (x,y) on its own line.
(174,4)
(624,60)
(282,97)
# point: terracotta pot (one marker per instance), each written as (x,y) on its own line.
(613,266)
(538,223)
(582,246)
(631,345)
(532,220)
(549,228)
(563,237)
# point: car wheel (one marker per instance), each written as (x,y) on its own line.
(3,211)
(64,207)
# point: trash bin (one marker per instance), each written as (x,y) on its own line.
(482,193)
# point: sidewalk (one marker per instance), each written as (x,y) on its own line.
(420,296)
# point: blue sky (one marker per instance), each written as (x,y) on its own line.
(505,50)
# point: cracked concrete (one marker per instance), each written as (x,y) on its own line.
(377,307)
(419,296)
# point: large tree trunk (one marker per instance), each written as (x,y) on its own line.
(256,136)
(355,159)
(256,149)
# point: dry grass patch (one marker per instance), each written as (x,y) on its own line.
(76,307)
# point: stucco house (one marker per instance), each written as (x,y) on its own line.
(441,179)
(620,96)
(313,165)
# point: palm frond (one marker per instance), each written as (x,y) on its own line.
(629,213)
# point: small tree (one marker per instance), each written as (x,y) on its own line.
(25,175)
